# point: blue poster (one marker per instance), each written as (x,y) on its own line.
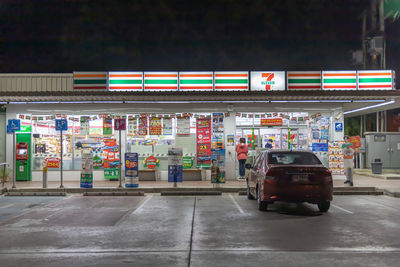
(175,173)
(131,170)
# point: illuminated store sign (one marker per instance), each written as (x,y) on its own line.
(125,81)
(303,80)
(267,81)
(231,80)
(90,80)
(196,81)
(375,80)
(339,80)
(161,81)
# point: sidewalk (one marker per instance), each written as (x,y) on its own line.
(366,180)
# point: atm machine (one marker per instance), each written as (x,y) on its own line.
(22,158)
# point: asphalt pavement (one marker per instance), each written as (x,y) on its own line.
(225,230)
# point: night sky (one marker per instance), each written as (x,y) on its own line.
(66,36)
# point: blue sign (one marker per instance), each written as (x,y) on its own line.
(13,125)
(61,125)
(131,170)
(175,173)
(339,126)
(319,147)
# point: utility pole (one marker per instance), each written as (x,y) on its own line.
(382,30)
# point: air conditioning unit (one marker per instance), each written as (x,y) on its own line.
(376,45)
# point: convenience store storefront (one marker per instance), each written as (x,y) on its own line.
(269,106)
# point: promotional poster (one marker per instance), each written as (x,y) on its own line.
(203,135)
(175,165)
(155,126)
(131,170)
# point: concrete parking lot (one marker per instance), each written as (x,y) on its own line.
(225,230)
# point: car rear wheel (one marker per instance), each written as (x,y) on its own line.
(324,206)
(262,205)
(249,195)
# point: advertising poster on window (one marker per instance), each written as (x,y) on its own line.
(132,126)
(183,126)
(218,122)
(111,159)
(131,170)
(203,132)
(84,125)
(155,127)
(175,165)
(107,126)
(142,125)
(167,126)
(87,170)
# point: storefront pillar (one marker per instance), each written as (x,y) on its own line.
(230,154)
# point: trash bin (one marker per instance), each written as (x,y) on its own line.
(376,166)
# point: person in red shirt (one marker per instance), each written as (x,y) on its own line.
(242,150)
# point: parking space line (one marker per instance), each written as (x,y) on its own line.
(142,205)
(343,209)
(236,204)
(7,206)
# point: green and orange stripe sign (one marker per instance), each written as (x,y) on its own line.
(231,80)
(375,80)
(125,81)
(304,80)
(161,81)
(90,80)
(196,81)
(339,80)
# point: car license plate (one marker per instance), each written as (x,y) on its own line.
(300,177)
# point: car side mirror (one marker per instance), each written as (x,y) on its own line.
(248,166)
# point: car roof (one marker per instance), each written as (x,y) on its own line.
(287,151)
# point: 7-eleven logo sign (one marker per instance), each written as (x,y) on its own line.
(268,82)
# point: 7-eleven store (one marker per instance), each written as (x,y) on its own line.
(300,110)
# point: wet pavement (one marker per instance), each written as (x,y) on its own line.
(225,230)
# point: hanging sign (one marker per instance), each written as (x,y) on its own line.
(203,134)
(272,122)
(107,126)
(196,81)
(125,81)
(87,170)
(167,126)
(183,126)
(161,81)
(120,124)
(131,170)
(155,127)
(304,80)
(142,125)
(175,165)
(267,81)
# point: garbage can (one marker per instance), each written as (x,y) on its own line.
(376,166)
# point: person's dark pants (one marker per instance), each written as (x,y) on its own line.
(242,163)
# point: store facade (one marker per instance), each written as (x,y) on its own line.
(204,113)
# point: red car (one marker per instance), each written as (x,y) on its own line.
(290,176)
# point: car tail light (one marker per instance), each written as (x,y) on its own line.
(327,176)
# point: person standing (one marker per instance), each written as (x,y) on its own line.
(348,160)
(242,150)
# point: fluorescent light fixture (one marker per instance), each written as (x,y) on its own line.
(369,107)
(44,102)
(335,101)
(3,103)
(17,102)
(279,101)
(107,102)
(76,102)
(368,101)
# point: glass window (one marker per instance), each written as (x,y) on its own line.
(297,158)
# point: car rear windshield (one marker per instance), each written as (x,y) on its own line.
(297,158)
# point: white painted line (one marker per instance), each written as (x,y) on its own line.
(343,209)
(139,209)
(236,204)
(7,206)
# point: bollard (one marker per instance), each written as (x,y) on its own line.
(44,177)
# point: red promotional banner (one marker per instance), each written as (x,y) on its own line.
(272,122)
(203,132)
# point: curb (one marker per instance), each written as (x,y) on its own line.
(191,193)
(35,194)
